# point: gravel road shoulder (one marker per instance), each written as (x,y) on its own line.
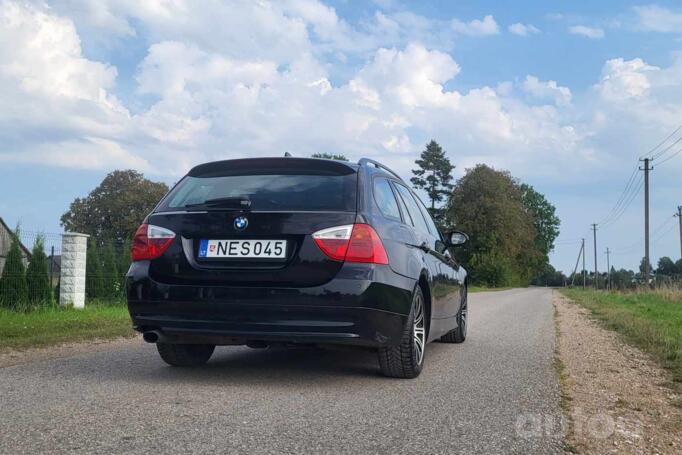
(616,399)
(11,357)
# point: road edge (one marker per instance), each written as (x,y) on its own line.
(614,397)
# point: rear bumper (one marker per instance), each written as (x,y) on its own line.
(366,309)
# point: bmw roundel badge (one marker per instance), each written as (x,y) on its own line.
(240,223)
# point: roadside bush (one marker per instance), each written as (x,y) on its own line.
(492,270)
(112,284)
(13,287)
(37,279)
(94,280)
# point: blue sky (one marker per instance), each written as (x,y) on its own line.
(564,95)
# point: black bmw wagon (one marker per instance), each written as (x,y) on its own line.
(270,251)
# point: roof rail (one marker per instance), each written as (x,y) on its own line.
(366,161)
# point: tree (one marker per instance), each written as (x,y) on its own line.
(548,276)
(666,267)
(434,174)
(544,218)
(115,208)
(329,156)
(13,288)
(487,204)
(642,267)
(124,260)
(37,279)
(110,272)
(94,279)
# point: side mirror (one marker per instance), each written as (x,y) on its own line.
(456,238)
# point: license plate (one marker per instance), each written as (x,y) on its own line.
(245,249)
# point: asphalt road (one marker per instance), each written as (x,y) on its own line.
(496,393)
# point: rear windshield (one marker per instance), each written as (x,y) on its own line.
(268,192)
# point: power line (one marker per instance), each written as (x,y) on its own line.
(670,157)
(626,204)
(661,143)
(633,246)
(663,234)
(662,152)
(622,197)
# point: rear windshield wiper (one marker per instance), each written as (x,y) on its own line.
(234,203)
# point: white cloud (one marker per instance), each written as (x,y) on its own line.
(588,32)
(547,89)
(625,79)
(82,153)
(523,29)
(215,99)
(476,27)
(658,19)
(50,93)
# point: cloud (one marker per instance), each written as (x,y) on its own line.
(547,89)
(655,18)
(195,99)
(476,27)
(523,29)
(49,92)
(625,79)
(588,32)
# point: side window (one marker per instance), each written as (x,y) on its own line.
(429,221)
(385,199)
(407,218)
(412,208)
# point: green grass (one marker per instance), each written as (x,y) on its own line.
(651,321)
(49,326)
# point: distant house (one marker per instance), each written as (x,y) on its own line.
(6,235)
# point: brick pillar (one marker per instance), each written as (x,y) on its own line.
(72,279)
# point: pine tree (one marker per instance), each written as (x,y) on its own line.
(37,279)
(110,272)
(94,281)
(13,289)
(433,175)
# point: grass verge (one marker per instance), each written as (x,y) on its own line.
(650,321)
(49,326)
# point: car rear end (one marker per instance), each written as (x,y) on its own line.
(262,251)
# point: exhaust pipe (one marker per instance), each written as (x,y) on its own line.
(151,336)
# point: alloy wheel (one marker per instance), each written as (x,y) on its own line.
(463,316)
(419,329)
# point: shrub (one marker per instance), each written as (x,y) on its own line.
(94,280)
(112,284)
(37,279)
(13,288)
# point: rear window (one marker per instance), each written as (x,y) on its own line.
(268,191)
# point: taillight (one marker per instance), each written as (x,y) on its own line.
(150,242)
(352,243)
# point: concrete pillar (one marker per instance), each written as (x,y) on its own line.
(72,279)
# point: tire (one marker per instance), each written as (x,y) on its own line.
(185,355)
(459,334)
(407,358)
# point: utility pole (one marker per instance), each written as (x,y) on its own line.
(646,170)
(608,268)
(679,218)
(584,271)
(577,261)
(596,278)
